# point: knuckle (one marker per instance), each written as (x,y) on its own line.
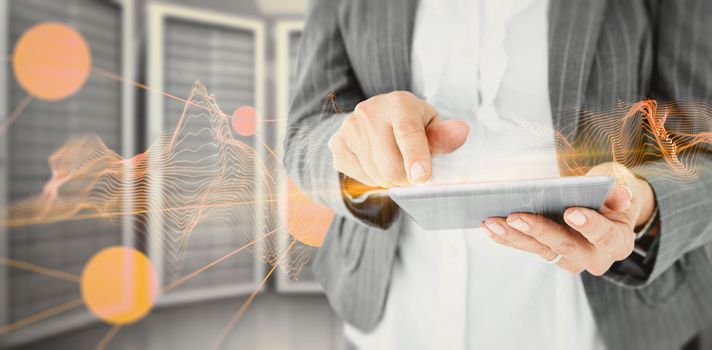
(605,238)
(565,247)
(350,124)
(599,269)
(629,244)
(625,251)
(400,97)
(536,226)
(596,272)
(363,107)
(408,127)
(333,143)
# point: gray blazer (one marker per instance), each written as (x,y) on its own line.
(600,52)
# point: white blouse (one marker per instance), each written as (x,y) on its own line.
(485,62)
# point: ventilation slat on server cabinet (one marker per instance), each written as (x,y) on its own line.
(41,129)
(221,52)
(289,34)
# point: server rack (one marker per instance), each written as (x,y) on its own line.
(288,35)
(226,53)
(45,126)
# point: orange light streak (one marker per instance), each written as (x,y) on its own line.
(241,311)
(15,114)
(41,315)
(191,275)
(113,76)
(40,270)
(108,337)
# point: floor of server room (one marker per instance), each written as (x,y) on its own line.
(274,321)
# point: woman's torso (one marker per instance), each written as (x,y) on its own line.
(457,288)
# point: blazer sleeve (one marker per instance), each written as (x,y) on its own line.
(354,264)
(682,74)
(325,87)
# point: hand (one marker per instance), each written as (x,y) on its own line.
(590,241)
(389,140)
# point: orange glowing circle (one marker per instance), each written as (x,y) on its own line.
(307,221)
(51,61)
(119,285)
(244,121)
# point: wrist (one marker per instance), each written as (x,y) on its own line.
(647,203)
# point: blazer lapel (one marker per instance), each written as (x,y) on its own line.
(400,33)
(574,26)
(383,31)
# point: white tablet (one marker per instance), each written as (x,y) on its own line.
(459,206)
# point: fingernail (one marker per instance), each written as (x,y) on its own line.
(485,229)
(496,228)
(577,218)
(519,224)
(417,173)
(630,197)
(630,192)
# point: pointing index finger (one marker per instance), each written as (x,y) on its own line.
(412,141)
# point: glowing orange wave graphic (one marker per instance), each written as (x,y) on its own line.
(181,181)
(673,138)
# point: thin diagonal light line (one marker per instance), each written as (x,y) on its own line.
(39,269)
(15,114)
(108,337)
(191,275)
(243,308)
(41,315)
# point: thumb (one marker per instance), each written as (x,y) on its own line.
(445,136)
(620,198)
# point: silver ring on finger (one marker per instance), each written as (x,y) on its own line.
(555,260)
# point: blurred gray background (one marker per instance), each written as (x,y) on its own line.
(217,43)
